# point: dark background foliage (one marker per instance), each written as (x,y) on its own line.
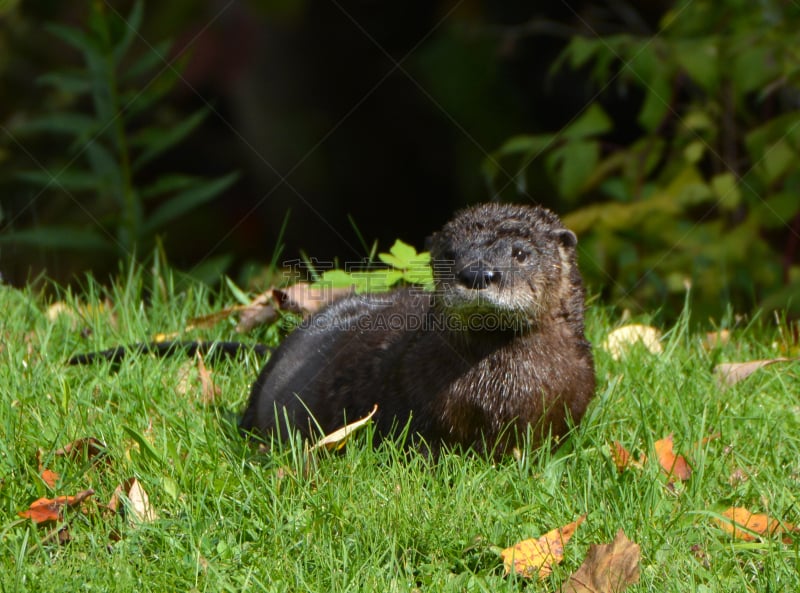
(664,132)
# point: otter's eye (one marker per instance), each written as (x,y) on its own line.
(519,254)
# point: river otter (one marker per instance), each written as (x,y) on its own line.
(498,346)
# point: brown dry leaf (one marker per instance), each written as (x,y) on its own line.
(49,509)
(744,525)
(208,390)
(140,509)
(623,458)
(621,339)
(337,439)
(717,339)
(533,557)
(212,319)
(730,373)
(89,447)
(608,568)
(673,465)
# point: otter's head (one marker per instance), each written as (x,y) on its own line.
(506,267)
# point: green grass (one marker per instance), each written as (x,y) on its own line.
(373,519)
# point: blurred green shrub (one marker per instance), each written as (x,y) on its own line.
(708,193)
(109,135)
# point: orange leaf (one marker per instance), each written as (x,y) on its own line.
(49,509)
(49,477)
(538,556)
(623,458)
(608,568)
(673,465)
(739,522)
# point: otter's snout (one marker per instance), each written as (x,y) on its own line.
(478,275)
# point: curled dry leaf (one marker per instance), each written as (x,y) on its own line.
(675,466)
(50,509)
(621,339)
(623,459)
(533,557)
(608,568)
(745,525)
(337,439)
(139,508)
(730,373)
(89,447)
(208,390)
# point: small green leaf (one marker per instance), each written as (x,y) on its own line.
(592,122)
(169,183)
(157,55)
(656,103)
(401,255)
(700,59)
(69,180)
(694,151)
(71,82)
(131,28)
(582,49)
(53,237)
(526,144)
(188,200)
(578,160)
(726,190)
(77,39)
(376,280)
(155,140)
(59,123)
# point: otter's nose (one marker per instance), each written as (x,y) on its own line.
(478,275)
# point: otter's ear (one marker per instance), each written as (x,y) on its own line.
(566,237)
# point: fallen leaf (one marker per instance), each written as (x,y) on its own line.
(673,465)
(138,509)
(745,525)
(717,339)
(608,568)
(49,477)
(337,439)
(208,390)
(533,557)
(619,341)
(88,447)
(730,373)
(50,509)
(623,459)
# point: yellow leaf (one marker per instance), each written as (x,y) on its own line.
(621,339)
(337,439)
(538,556)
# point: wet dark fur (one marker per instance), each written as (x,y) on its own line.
(508,273)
